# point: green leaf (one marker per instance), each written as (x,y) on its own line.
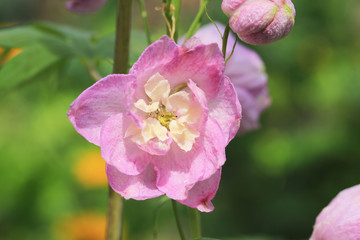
(30,62)
(66,41)
(19,36)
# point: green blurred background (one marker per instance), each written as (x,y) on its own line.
(276,179)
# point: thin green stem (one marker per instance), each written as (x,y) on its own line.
(232,51)
(121,59)
(177,8)
(177,219)
(168,17)
(145,20)
(225,40)
(211,20)
(195,223)
(197,21)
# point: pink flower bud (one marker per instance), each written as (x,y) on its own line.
(85,6)
(260,22)
(340,220)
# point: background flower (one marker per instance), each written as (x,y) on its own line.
(246,71)
(340,220)
(85,6)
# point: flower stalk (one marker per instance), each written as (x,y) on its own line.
(122,37)
(177,220)
(121,59)
(195,223)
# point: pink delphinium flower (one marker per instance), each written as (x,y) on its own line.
(247,73)
(85,6)
(340,220)
(260,22)
(163,127)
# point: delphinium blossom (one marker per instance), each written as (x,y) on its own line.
(85,6)
(247,73)
(163,127)
(260,22)
(340,220)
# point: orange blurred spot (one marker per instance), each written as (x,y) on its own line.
(86,226)
(11,54)
(89,169)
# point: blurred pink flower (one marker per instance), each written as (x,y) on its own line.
(340,220)
(247,73)
(260,22)
(163,127)
(85,6)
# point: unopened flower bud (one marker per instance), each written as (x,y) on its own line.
(340,220)
(85,6)
(260,22)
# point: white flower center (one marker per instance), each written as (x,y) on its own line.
(168,113)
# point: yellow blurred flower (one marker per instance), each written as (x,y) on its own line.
(89,169)
(85,226)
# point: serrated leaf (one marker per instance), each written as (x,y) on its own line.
(30,62)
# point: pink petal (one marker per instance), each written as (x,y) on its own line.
(155,147)
(246,72)
(202,193)
(138,187)
(226,109)
(199,98)
(203,64)
(85,6)
(97,103)
(153,60)
(120,152)
(179,171)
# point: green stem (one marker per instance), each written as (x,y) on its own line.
(177,6)
(195,224)
(145,20)
(196,23)
(115,215)
(122,37)
(163,200)
(121,59)
(177,219)
(225,40)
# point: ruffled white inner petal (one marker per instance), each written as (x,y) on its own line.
(183,135)
(157,88)
(166,115)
